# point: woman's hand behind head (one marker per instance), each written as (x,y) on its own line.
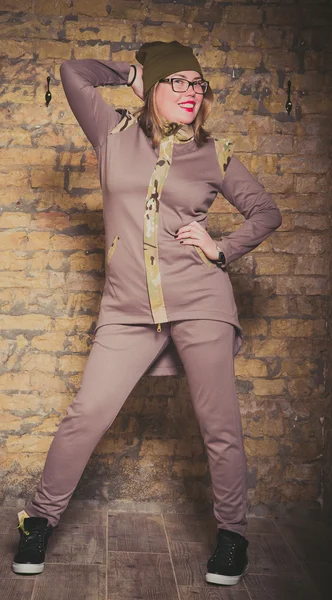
(138,83)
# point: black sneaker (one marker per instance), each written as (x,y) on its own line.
(229,562)
(30,556)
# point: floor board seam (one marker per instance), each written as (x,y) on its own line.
(106,558)
(171,558)
(294,553)
(306,575)
(136,552)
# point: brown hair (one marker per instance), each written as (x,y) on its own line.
(151,122)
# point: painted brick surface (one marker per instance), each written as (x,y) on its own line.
(51,268)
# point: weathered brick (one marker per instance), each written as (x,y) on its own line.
(269,387)
(299,164)
(15,279)
(246,60)
(168,11)
(97,8)
(297,368)
(73,325)
(108,31)
(264,447)
(311,222)
(297,328)
(15,137)
(21,157)
(270,307)
(82,262)
(14,220)
(302,388)
(99,52)
(26,322)
(58,7)
(31,443)
(254,327)
(77,242)
(188,34)
(78,281)
(30,27)
(279,144)
(306,184)
(294,243)
(16,5)
(41,178)
(38,362)
(274,265)
(270,347)
(243,14)
(38,240)
(48,425)
(261,164)
(17,179)
(168,447)
(57,280)
(281,15)
(85,180)
(42,381)
(128,56)
(49,342)
(245,368)
(15,381)
(218,80)
(50,220)
(79,343)
(16,49)
(277,183)
(309,285)
(72,363)
(11,261)
(311,265)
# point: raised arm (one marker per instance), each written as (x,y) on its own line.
(262,215)
(79,80)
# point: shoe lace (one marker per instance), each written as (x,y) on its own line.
(32,539)
(225,551)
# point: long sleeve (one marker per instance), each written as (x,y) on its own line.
(262,215)
(79,80)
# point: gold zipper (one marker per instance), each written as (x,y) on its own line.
(159,328)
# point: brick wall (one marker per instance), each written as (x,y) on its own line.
(52,246)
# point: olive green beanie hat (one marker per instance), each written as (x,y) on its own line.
(160,59)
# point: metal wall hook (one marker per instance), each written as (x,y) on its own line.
(48,95)
(289,104)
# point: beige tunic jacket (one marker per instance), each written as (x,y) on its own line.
(192,288)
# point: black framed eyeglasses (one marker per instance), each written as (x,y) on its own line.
(180,85)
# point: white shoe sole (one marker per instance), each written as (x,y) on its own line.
(225,579)
(28,568)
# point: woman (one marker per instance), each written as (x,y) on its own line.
(165,282)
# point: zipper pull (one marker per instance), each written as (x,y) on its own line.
(159,328)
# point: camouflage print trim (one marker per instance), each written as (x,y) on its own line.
(127,120)
(111,250)
(151,214)
(204,258)
(224,150)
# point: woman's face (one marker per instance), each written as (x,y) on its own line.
(179,107)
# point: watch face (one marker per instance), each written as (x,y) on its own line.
(221,258)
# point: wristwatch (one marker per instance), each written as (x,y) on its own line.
(221,260)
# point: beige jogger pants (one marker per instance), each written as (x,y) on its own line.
(120,355)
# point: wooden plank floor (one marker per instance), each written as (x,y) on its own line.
(104,555)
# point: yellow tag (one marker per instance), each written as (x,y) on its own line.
(21,516)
